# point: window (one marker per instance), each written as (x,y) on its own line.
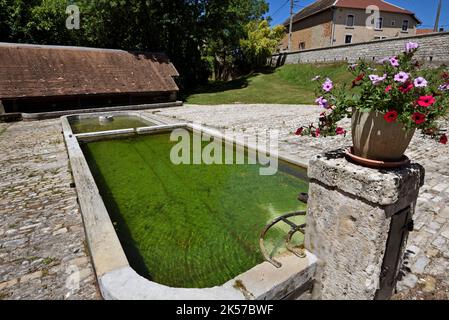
(348,38)
(379,23)
(380,37)
(405,25)
(393,23)
(302,45)
(350,20)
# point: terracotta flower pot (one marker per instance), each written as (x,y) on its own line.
(376,139)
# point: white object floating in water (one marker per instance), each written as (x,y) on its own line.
(106,118)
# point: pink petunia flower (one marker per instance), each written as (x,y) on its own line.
(375,79)
(394,61)
(322,102)
(411,46)
(420,82)
(328,85)
(401,77)
(444,87)
(426,101)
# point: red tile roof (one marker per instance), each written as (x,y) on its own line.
(322,5)
(424,31)
(49,71)
(363,4)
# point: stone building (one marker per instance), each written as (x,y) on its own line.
(327,23)
(37,78)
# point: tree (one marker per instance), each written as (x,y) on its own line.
(199,36)
(261,42)
(225,22)
(46,24)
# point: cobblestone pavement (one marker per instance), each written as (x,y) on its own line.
(42,239)
(429,261)
(42,243)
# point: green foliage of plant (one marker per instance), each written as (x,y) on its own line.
(397,87)
(261,41)
(46,23)
(201,37)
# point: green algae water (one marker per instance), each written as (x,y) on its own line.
(119,122)
(190,226)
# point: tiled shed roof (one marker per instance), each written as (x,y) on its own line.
(46,71)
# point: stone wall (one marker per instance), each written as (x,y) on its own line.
(434,49)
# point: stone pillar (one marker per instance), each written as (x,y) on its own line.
(354,213)
(2,108)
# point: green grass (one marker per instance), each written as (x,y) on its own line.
(190,225)
(289,84)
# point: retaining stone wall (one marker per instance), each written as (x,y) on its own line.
(434,48)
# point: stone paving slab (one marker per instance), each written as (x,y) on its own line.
(42,243)
(429,244)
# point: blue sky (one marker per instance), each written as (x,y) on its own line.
(424,9)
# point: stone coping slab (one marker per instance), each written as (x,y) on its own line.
(382,187)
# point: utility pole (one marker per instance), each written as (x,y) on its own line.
(291,26)
(437,20)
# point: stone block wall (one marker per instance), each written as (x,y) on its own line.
(434,49)
(349,221)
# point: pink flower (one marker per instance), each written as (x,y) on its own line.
(388,88)
(394,61)
(411,46)
(420,82)
(299,131)
(340,131)
(401,77)
(317,132)
(444,87)
(426,101)
(322,102)
(375,79)
(328,85)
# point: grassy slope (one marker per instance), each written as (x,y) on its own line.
(289,84)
